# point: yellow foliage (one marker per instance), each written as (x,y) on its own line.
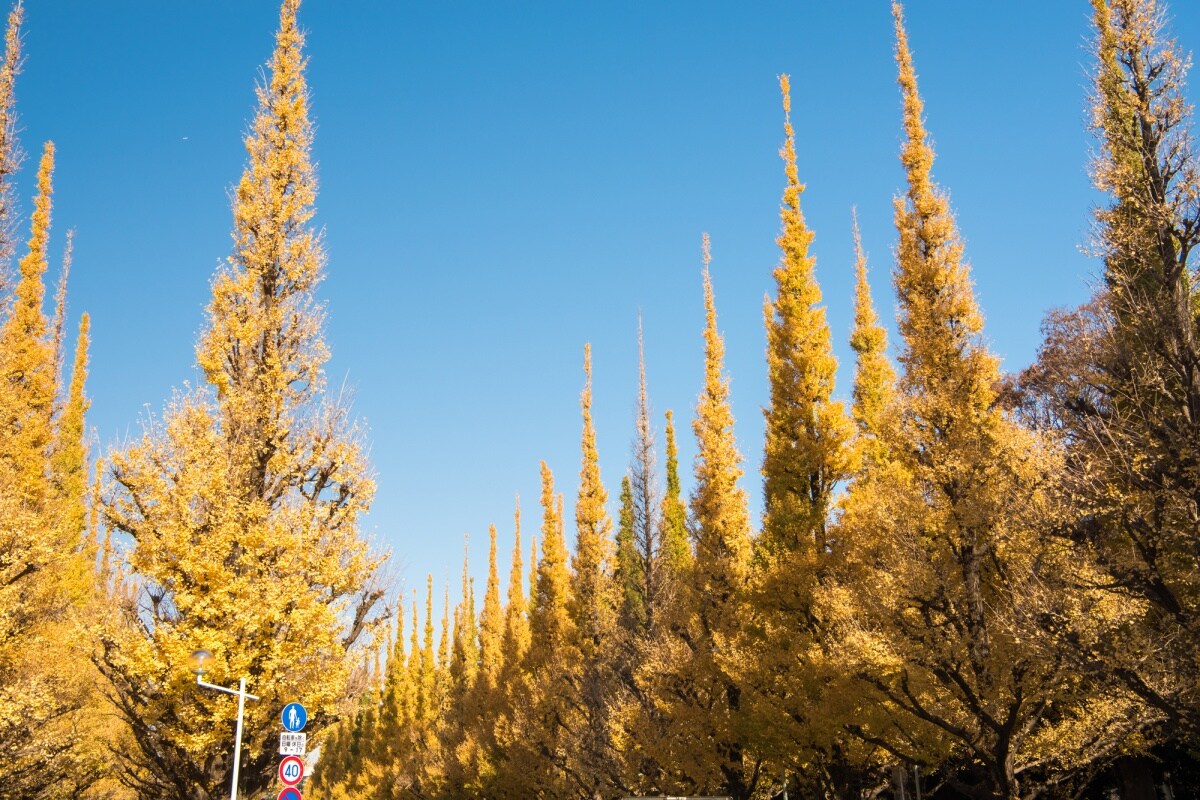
(242,508)
(687,670)
(951,571)
(874,377)
(48,702)
(807,436)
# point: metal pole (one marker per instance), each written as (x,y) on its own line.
(237,747)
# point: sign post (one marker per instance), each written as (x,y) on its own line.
(293,746)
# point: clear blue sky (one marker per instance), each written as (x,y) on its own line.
(502,182)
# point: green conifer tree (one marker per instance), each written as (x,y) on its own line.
(632,609)
(677,542)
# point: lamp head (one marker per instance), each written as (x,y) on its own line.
(198,661)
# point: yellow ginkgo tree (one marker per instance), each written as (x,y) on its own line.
(241,505)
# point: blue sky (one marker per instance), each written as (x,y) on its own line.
(501,183)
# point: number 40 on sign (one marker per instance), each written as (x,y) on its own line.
(291,770)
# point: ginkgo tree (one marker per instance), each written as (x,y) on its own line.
(241,504)
(959,606)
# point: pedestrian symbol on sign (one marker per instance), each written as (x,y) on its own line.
(294,717)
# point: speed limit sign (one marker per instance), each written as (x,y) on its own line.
(291,770)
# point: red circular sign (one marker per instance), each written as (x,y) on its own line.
(290,793)
(291,771)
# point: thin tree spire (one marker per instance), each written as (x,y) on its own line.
(549,621)
(69,460)
(714,605)
(491,620)
(718,502)
(592,603)
(676,542)
(646,505)
(629,566)
(516,619)
(874,377)
(27,366)
(807,433)
(60,306)
(10,149)
(940,320)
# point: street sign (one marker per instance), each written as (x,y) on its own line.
(291,770)
(290,793)
(294,717)
(293,744)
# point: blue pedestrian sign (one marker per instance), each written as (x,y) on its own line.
(294,717)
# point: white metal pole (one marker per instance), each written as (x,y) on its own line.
(237,747)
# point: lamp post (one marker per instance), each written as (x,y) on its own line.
(198,659)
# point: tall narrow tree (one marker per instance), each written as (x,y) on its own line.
(646,501)
(461,701)
(548,670)
(1127,384)
(69,460)
(27,355)
(10,148)
(242,505)
(676,541)
(703,750)
(807,430)
(510,781)
(874,377)
(46,581)
(593,607)
(807,455)
(59,325)
(957,575)
(628,573)
(479,752)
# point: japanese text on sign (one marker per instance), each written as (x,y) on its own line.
(293,744)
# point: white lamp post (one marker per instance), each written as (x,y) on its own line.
(198,659)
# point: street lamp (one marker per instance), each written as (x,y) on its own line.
(198,659)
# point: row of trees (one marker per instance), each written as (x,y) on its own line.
(982,583)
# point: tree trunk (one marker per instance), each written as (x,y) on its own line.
(1136,778)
